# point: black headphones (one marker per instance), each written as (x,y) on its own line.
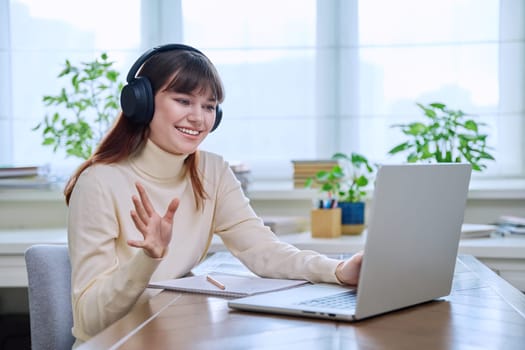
(137,99)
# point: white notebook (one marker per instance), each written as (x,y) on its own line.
(235,286)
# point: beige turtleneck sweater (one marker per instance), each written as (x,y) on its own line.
(109,277)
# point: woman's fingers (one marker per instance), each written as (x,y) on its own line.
(358,257)
(156,230)
(139,223)
(139,209)
(136,244)
(144,199)
(172,208)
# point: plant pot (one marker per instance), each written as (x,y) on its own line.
(352,217)
(326,223)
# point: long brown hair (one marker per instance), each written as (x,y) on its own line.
(189,72)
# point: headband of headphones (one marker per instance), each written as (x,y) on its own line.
(137,98)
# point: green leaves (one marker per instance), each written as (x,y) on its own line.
(83,110)
(346,181)
(328,181)
(447,137)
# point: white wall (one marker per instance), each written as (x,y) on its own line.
(28,209)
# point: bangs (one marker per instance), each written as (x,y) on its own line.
(197,77)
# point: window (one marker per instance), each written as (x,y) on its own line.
(39,36)
(303,78)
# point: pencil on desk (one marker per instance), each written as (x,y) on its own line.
(215,282)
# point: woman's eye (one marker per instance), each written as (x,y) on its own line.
(182,101)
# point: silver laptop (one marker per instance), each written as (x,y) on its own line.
(410,250)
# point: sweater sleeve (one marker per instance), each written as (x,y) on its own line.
(103,288)
(245,235)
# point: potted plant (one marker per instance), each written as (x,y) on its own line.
(345,184)
(449,136)
(326,218)
(84,110)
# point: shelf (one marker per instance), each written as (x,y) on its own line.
(509,189)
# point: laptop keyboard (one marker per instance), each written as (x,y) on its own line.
(344,300)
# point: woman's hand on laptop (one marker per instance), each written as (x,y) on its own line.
(347,272)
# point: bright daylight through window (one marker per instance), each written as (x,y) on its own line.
(304,82)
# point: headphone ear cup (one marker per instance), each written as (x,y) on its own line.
(218,118)
(136,100)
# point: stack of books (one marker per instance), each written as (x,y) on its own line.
(23,177)
(242,173)
(304,169)
(282,225)
(9,172)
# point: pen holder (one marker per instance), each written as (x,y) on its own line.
(325,223)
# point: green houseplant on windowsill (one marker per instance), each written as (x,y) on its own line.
(449,136)
(84,109)
(346,183)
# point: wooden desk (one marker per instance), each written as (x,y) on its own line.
(483,311)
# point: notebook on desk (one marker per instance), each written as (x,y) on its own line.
(410,250)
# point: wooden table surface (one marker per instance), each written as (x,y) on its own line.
(482,312)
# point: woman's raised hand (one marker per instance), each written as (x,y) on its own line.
(156,230)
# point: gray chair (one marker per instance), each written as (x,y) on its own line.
(49,293)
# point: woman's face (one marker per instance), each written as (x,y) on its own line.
(181,121)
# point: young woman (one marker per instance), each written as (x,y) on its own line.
(145,205)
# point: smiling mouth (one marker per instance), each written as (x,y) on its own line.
(188,131)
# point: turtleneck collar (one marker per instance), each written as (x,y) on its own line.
(157,163)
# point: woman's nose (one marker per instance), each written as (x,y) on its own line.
(196,114)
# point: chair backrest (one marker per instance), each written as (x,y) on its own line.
(49,293)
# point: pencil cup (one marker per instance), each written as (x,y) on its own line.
(325,223)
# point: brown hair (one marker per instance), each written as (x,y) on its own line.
(189,72)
